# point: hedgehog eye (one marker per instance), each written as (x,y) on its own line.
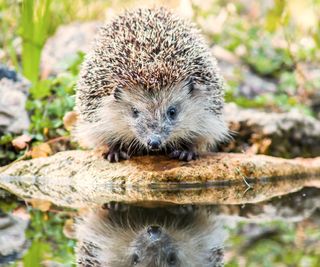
(135,112)
(172,113)
(172,258)
(135,259)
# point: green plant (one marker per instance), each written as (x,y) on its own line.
(34,25)
(277,249)
(48,240)
(7,152)
(50,100)
(53,98)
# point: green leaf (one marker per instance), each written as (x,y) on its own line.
(34,28)
(41,89)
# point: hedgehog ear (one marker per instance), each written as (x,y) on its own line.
(194,88)
(190,86)
(117,93)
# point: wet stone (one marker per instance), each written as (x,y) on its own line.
(155,211)
(221,178)
(13,242)
(14,91)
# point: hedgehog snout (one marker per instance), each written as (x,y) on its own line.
(154,232)
(154,142)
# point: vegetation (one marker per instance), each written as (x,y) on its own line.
(277,41)
(277,244)
(34,32)
(46,233)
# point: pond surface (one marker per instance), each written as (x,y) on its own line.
(273,222)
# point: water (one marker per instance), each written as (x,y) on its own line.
(274,222)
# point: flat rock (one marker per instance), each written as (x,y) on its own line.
(64,45)
(13,242)
(80,178)
(289,134)
(13,96)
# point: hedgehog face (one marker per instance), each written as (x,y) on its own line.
(166,247)
(159,119)
(161,246)
(153,246)
(156,237)
(166,119)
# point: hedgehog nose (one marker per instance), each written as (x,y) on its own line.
(154,143)
(154,232)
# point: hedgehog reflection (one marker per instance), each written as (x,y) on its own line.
(122,236)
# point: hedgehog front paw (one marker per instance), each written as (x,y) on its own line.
(116,155)
(184,155)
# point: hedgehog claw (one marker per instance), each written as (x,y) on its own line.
(182,209)
(115,206)
(175,154)
(183,155)
(116,156)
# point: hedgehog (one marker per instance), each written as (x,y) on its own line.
(157,237)
(150,85)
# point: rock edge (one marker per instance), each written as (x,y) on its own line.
(80,178)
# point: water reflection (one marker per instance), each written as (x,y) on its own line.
(282,229)
(127,235)
(158,234)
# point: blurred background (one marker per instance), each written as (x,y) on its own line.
(268,52)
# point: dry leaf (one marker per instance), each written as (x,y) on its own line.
(45,131)
(40,151)
(83,211)
(69,120)
(42,205)
(264,145)
(22,213)
(252,150)
(68,228)
(21,142)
